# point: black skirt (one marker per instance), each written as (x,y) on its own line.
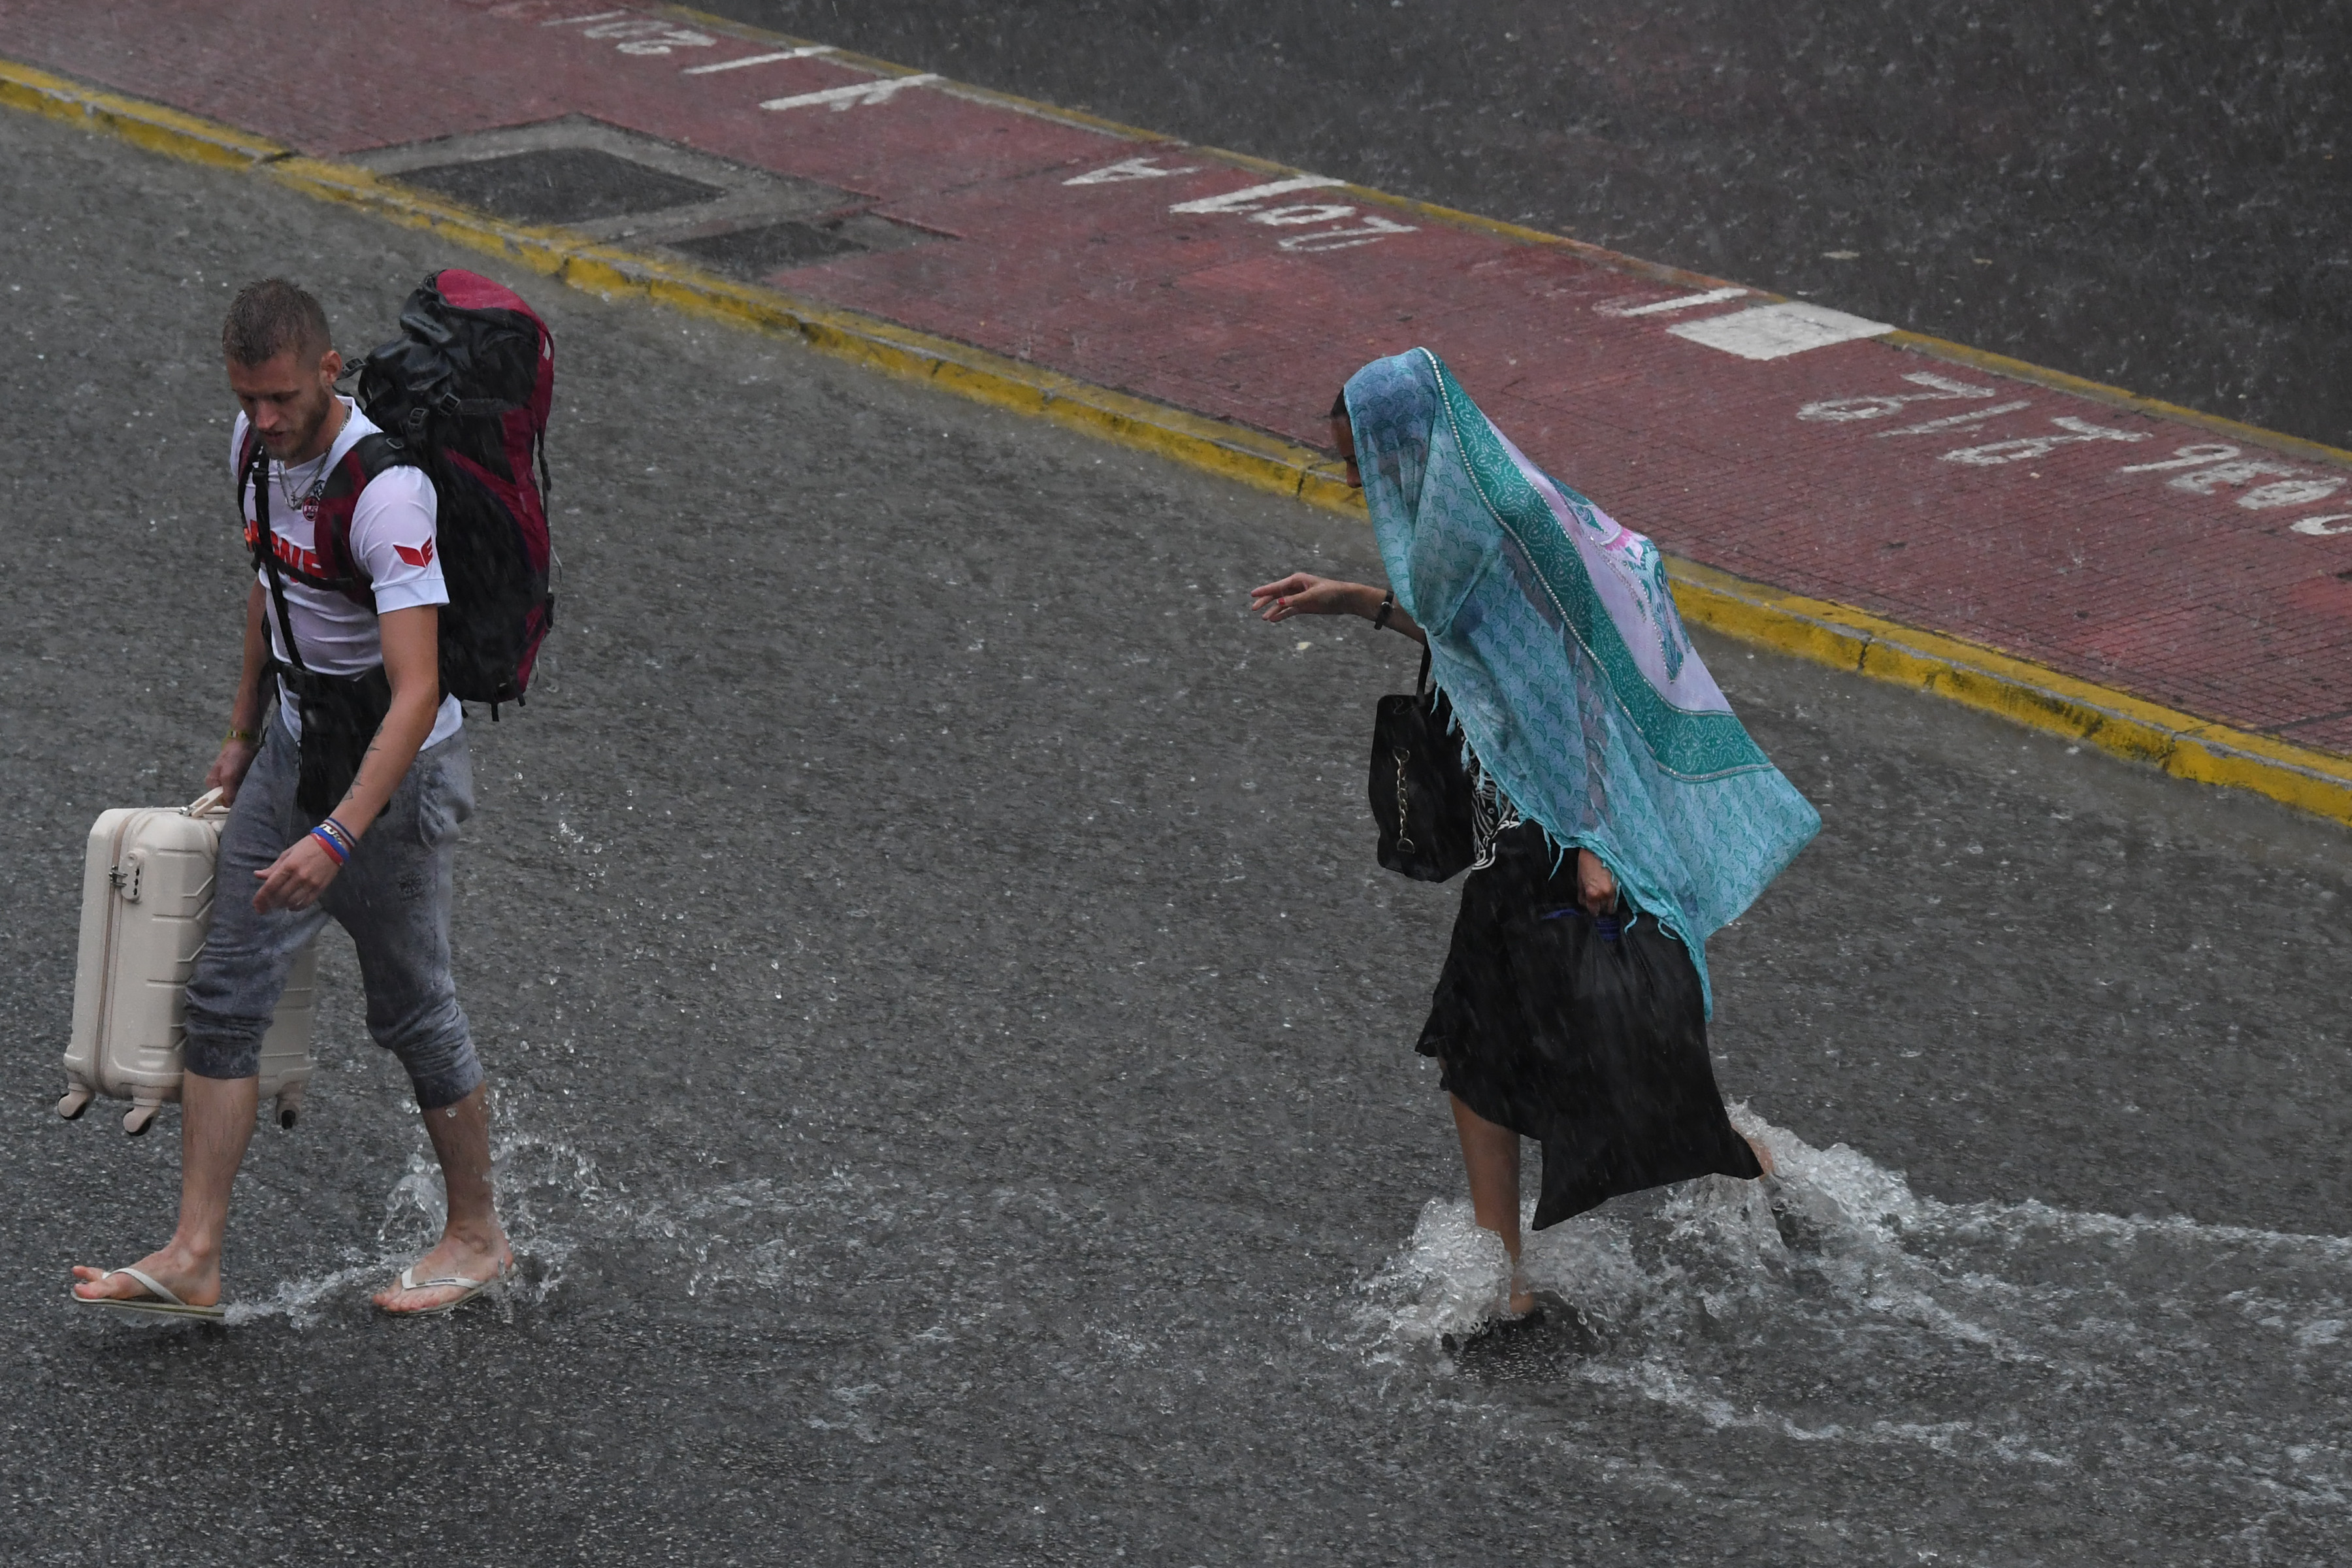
(1588,1035)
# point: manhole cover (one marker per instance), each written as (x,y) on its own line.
(753,253)
(560,184)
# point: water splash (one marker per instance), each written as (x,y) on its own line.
(784,1242)
(304,1301)
(551,1197)
(1833,1304)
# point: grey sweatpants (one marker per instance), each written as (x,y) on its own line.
(392,898)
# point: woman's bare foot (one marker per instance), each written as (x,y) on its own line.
(455,1257)
(195,1280)
(1763,1156)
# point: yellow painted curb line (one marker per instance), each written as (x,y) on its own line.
(1819,630)
(137,121)
(2031,694)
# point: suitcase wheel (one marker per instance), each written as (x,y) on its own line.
(139,1117)
(75,1102)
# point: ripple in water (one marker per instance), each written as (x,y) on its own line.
(551,1197)
(1832,1304)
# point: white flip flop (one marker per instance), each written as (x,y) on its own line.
(471,1288)
(159,1305)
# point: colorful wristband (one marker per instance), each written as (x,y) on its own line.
(247,736)
(335,848)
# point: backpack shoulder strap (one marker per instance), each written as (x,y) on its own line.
(368,458)
(256,468)
(244,467)
(374,454)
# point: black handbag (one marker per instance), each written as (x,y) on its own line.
(1616,1029)
(1420,790)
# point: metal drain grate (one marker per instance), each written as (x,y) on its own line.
(560,184)
(618,186)
(753,253)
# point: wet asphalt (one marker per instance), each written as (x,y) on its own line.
(953,1044)
(2152,193)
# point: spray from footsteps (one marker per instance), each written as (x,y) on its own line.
(1832,1304)
(782,1243)
(550,1196)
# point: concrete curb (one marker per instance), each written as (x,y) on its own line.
(2031,694)
(137,121)
(1819,630)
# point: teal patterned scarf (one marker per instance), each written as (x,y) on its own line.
(1554,635)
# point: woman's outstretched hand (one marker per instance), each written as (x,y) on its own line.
(1303,593)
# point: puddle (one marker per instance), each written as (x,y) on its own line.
(1834,1305)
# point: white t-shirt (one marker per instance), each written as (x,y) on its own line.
(393,539)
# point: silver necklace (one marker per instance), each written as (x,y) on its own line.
(305,503)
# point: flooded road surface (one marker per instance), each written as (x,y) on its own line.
(952,1043)
(2146,192)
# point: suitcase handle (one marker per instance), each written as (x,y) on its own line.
(209,801)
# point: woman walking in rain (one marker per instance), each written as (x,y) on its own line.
(1620,815)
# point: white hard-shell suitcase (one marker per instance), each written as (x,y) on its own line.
(146,902)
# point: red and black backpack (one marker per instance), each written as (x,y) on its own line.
(463,394)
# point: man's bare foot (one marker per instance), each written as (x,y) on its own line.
(454,1259)
(1763,1157)
(196,1281)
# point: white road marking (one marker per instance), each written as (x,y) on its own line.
(2213,465)
(2213,461)
(1247,199)
(646,36)
(1299,216)
(1252,200)
(1842,410)
(2294,492)
(590,16)
(1969,421)
(799,53)
(1776,331)
(1374,228)
(1667,307)
(2205,482)
(855,94)
(2195,456)
(2019,450)
(1131,169)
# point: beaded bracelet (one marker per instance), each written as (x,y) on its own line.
(334,847)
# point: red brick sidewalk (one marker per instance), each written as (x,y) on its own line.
(1781,441)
